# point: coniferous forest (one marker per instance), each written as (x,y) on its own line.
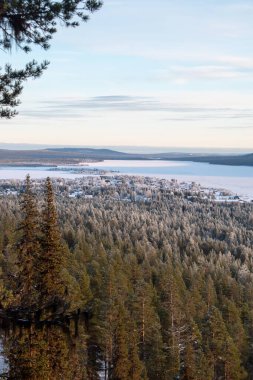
(105,289)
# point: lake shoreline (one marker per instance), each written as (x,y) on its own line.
(238,180)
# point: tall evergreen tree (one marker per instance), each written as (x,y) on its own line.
(193,364)
(121,362)
(149,328)
(225,358)
(172,318)
(137,369)
(28,250)
(52,261)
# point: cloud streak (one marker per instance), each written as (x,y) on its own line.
(101,105)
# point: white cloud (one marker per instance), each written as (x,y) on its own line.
(236,61)
(183,75)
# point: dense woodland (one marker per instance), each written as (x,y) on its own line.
(106,289)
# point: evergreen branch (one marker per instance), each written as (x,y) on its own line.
(11,86)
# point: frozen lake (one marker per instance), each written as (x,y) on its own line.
(35,172)
(238,179)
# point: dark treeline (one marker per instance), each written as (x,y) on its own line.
(163,290)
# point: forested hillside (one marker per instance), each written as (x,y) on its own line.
(157,290)
(73,156)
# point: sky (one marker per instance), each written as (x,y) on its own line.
(143,73)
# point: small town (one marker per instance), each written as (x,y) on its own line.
(125,188)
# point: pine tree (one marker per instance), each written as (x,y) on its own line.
(226,363)
(53,258)
(11,85)
(149,328)
(121,362)
(232,318)
(6,289)
(171,289)
(193,363)
(28,251)
(137,369)
(25,22)
(209,292)
(47,353)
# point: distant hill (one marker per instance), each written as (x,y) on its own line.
(240,160)
(89,151)
(57,156)
(63,155)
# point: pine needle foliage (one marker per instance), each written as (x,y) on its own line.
(24,23)
(11,86)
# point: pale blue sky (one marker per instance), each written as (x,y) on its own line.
(164,73)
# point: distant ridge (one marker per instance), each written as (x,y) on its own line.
(71,156)
(87,151)
(240,160)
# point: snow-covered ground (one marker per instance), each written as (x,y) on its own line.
(3,363)
(237,179)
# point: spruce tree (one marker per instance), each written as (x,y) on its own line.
(52,260)
(28,250)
